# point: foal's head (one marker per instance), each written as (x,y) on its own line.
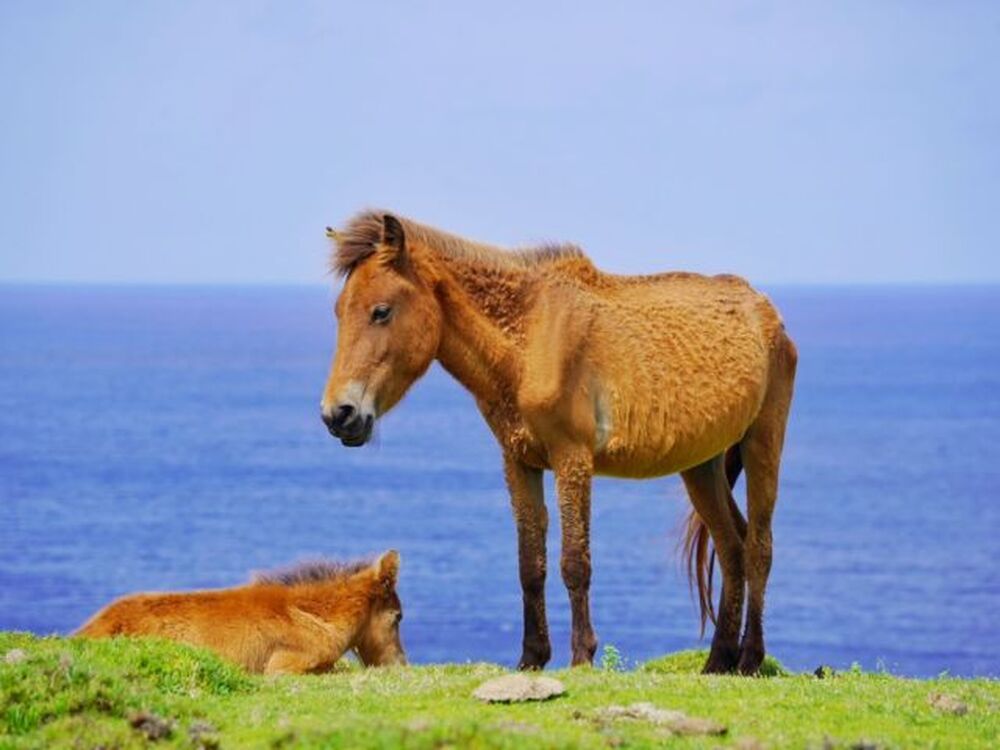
(378,643)
(389,327)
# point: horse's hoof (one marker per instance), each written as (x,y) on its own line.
(750,661)
(721,661)
(583,652)
(534,659)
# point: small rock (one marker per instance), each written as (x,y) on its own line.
(153,726)
(692,725)
(748,743)
(515,688)
(947,704)
(15,656)
(200,726)
(677,722)
(204,735)
(643,712)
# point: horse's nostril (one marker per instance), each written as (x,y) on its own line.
(345,413)
(337,420)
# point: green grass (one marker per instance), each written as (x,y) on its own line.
(69,693)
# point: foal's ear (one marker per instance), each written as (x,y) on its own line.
(387,568)
(393,249)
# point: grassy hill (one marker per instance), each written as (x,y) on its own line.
(57,692)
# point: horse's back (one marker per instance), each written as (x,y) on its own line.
(673,328)
(679,363)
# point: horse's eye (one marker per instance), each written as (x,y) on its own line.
(381,313)
(399,617)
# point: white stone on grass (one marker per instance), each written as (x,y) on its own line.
(677,722)
(516,688)
(948,704)
(15,656)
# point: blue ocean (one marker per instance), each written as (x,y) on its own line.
(156,438)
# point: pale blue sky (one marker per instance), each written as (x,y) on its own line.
(787,142)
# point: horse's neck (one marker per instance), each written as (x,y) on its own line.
(338,605)
(483,312)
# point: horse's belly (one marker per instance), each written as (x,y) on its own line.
(634,468)
(642,462)
(650,443)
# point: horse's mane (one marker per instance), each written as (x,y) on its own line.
(359,239)
(315,571)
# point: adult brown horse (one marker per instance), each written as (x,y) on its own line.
(580,372)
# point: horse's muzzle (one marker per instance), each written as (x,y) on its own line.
(349,425)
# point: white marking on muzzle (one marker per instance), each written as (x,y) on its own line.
(356,394)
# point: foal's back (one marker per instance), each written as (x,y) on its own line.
(237,623)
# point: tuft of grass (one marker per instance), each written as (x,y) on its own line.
(70,693)
(691,662)
(50,679)
(612,659)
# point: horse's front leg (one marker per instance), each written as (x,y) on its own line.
(573,478)
(532,519)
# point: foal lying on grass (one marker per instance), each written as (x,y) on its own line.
(298,620)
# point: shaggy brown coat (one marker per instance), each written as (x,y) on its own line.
(580,372)
(295,621)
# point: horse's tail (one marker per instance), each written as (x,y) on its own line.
(700,564)
(696,544)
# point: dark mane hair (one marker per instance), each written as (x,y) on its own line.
(363,233)
(314,571)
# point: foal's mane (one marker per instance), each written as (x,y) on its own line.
(315,571)
(363,233)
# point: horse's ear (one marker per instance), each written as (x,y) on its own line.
(334,235)
(394,242)
(387,568)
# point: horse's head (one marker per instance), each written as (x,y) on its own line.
(378,643)
(389,327)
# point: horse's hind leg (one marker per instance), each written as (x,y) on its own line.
(761,451)
(734,465)
(708,488)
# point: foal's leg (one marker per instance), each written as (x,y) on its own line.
(761,450)
(709,491)
(532,519)
(287,661)
(574,471)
